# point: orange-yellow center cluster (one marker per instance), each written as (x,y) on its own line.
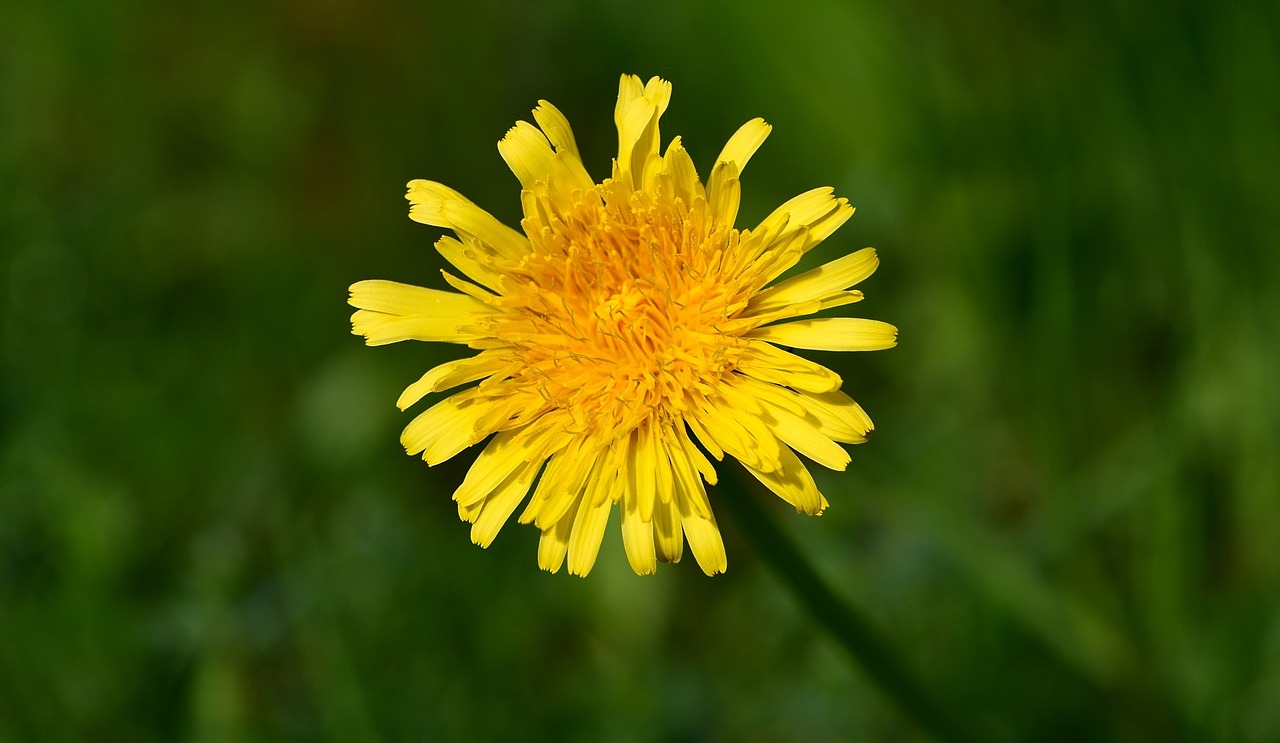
(623,305)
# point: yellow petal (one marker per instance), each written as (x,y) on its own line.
(527,152)
(817,212)
(554,543)
(817,209)
(705,542)
(831,334)
(441,206)
(697,458)
(668,538)
(819,283)
(453,373)
(447,427)
(501,502)
(840,417)
(553,473)
(470,289)
(642,482)
(684,176)
(769,363)
(740,433)
(506,454)
(690,494)
(704,438)
(555,495)
(556,127)
(793,483)
(724,194)
(380,328)
(772,396)
(629,89)
(530,157)
(805,436)
(469,261)
(665,480)
(637,539)
(744,143)
(749,320)
(792,421)
(777,255)
(394,298)
(588,531)
(840,299)
(637,119)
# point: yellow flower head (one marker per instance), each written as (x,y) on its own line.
(627,315)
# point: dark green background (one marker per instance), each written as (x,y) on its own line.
(1069,517)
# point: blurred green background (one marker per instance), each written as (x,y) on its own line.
(1069,516)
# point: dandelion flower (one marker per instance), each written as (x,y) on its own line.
(628,320)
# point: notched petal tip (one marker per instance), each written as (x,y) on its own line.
(893,331)
(744,143)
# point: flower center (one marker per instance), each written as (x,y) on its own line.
(620,306)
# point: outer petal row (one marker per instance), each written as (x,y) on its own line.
(390,312)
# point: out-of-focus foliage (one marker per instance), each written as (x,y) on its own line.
(1069,515)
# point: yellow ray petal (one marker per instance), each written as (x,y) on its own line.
(380,329)
(748,321)
(769,363)
(665,480)
(740,433)
(724,194)
(470,261)
(552,478)
(775,255)
(394,298)
(629,89)
(840,299)
(696,457)
(841,418)
(390,312)
(555,496)
(501,503)
(507,453)
(554,543)
(831,334)
(531,159)
(668,538)
(705,542)
(527,152)
(637,120)
(453,373)
(806,437)
(817,212)
(792,420)
(441,206)
(704,438)
(772,396)
(684,176)
(471,290)
(819,283)
(817,209)
(588,531)
(793,483)
(556,127)
(642,483)
(637,538)
(690,494)
(447,427)
(744,143)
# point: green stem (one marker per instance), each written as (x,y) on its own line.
(850,627)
